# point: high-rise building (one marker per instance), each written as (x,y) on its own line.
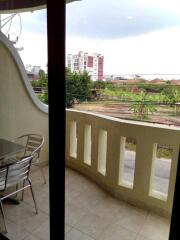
(92,63)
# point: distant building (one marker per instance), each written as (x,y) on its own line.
(32,72)
(175,82)
(92,63)
(157,81)
(33,69)
(108,78)
(120,78)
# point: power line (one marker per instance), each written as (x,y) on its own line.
(20,25)
(9,27)
(6,18)
(10,19)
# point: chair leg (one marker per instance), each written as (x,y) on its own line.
(42,172)
(3,215)
(16,190)
(22,197)
(33,196)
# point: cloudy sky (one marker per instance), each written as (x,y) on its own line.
(139,36)
(32,36)
(135,36)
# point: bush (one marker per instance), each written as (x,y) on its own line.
(141,106)
(78,87)
(42,82)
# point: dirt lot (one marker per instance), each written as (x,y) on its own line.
(164,115)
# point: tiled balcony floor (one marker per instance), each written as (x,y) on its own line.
(92,214)
(21,220)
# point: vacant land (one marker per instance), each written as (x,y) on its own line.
(164,114)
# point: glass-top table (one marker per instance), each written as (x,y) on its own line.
(7,150)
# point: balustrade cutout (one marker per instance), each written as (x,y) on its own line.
(87,144)
(102,151)
(73,139)
(160,171)
(127,161)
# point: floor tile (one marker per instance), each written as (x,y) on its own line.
(92,225)
(114,232)
(88,199)
(102,214)
(42,231)
(67,228)
(131,218)
(108,207)
(21,219)
(75,234)
(71,193)
(15,231)
(140,237)
(24,215)
(155,227)
(90,214)
(73,214)
(31,237)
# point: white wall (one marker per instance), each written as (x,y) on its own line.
(20,110)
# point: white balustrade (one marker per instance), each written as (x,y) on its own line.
(96,147)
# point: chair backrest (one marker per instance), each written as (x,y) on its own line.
(15,173)
(33,143)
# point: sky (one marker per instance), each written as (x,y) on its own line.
(32,36)
(135,37)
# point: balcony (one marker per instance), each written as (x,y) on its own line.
(92,214)
(96,148)
(128,195)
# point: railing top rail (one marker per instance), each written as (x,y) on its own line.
(132,122)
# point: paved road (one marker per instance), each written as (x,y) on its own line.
(162,171)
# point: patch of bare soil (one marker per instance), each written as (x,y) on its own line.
(121,110)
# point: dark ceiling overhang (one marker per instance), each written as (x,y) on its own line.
(8,6)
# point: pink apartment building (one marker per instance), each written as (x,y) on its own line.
(92,63)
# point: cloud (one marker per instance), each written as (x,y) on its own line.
(150,53)
(35,22)
(35,52)
(120,18)
(33,37)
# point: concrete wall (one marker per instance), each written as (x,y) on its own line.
(94,147)
(20,110)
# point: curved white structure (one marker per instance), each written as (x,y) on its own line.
(21,111)
(95,146)
(4,40)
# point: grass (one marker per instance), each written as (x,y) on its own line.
(162,150)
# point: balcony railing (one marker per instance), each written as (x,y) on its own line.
(135,162)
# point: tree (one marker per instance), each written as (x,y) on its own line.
(42,74)
(78,87)
(141,107)
(172,95)
(99,85)
(42,82)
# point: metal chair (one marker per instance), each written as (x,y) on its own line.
(12,175)
(33,143)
